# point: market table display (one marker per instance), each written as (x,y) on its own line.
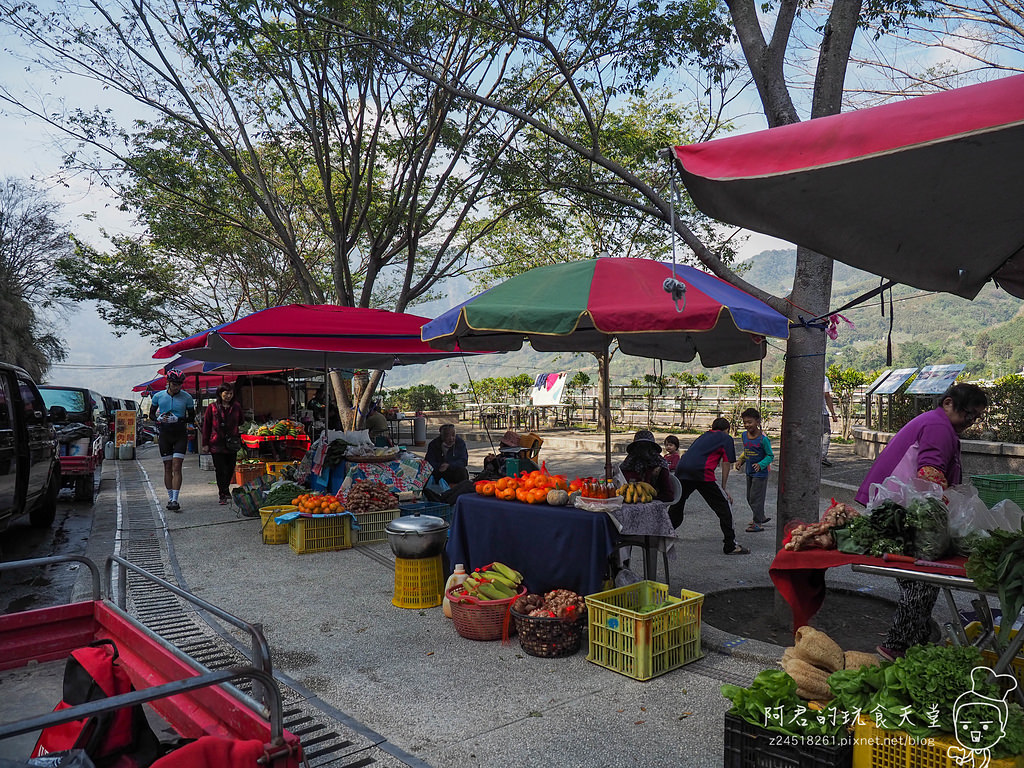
(406,472)
(799,576)
(554,547)
(277,447)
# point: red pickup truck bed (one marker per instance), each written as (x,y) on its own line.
(155,667)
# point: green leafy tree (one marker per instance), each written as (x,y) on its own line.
(280,135)
(31,240)
(1005,413)
(844,386)
(691,389)
(742,395)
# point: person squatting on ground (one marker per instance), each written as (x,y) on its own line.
(221,438)
(644,463)
(935,436)
(173,410)
(448,455)
(672,451)
(696,472)
(756,458)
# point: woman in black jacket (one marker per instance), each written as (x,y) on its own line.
(221,438)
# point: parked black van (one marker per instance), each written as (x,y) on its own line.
(29,469)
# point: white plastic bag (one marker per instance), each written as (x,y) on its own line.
(966,510)
(902,492)
(1005,515)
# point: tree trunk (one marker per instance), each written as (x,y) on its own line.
(802,397)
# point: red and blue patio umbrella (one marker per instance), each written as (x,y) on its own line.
(581,306)
(926,191)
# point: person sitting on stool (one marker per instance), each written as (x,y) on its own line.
(448,455)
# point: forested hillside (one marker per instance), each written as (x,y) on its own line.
(927,328)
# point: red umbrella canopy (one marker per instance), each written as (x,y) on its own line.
(925,191)
(313,336)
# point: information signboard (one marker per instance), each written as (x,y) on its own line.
(879,380)
(935,379)
(124,428)
(894,381)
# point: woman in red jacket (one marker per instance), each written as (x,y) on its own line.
(221,439)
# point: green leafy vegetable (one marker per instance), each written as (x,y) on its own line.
(771,703)
(984,558)
(929,519)
(283,494)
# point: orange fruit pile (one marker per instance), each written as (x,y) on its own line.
(529,487)
(317,503)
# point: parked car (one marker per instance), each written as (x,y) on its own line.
(29,470)
(81,435)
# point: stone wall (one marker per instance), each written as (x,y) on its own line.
(979,457)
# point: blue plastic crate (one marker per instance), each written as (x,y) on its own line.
(444,511)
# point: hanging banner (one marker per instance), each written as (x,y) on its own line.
(124,428)
(548,388)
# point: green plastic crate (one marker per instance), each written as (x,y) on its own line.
(643,643)
(994,488)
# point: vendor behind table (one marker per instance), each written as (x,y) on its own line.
(928,447)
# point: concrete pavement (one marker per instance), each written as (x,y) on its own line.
(406,685)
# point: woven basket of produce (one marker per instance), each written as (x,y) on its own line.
(477,619)
(551,625)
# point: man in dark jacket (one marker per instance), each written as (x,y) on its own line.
(448,455)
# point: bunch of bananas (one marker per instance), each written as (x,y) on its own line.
(637,493)
(494,582)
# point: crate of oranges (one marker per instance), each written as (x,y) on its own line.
(320,534)
(318,504)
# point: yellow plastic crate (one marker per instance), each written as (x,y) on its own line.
(320,534)
(1016,667)
(640,643)
(875,748)
(276,467)
(372,525)
(419,583)
(271,531)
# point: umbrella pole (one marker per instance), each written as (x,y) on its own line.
(605,392)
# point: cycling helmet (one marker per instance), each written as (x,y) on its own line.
(174,376)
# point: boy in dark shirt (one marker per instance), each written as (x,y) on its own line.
(696,472)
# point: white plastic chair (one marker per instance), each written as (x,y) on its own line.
(644,541)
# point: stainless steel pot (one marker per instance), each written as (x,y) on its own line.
(417,536)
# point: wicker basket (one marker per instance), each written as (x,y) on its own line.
(549,638)
(480,619)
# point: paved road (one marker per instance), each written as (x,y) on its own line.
(69,535)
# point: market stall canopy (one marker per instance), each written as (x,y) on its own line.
(926,191)
(313,336)
(198,374)
(579,306)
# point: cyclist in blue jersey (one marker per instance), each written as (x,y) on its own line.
(173,410)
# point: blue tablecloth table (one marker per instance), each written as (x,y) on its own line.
(553,547)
